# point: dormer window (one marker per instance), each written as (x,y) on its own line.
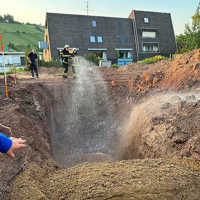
(146,20)
(94,23)
(92,39)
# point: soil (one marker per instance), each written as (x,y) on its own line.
(134,179)
(153,113)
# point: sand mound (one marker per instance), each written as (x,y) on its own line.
(139,179)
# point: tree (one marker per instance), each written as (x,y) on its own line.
(1,19)
(9,18)
(191,38)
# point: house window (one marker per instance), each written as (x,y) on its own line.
(94,23)
(100,39)
(146,20)
(92,39)
(150,47)
(149,34)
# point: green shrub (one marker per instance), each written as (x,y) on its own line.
(115,66)
(117,53)
(26,55)
(92,58)
(154,59)
(53,63)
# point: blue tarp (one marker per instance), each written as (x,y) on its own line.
(125,61)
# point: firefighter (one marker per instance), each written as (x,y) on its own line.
(75,62)
(65,55)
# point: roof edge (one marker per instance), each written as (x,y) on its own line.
(48,13)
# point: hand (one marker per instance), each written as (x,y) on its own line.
(17,143)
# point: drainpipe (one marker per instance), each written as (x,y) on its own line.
(136,38)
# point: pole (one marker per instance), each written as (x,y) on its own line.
(3,60)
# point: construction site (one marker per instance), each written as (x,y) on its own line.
(127,133)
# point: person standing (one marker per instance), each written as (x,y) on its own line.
(32,59)
(65,55)
(75,62)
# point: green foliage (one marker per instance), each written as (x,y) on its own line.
(53,63)
(196,22)
(26,59)
(115,66)
(93,58)
(117,53)
(188,41)
(154,59)
(191,38)
(19,37)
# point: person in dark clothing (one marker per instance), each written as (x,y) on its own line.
(65,55)
(32,58)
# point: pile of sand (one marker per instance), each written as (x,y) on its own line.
(138,179)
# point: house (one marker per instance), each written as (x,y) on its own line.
(143,34)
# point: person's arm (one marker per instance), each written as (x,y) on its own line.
(8,145)
(28,58)
(36,57)
(5,143)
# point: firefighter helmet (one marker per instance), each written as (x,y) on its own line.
(66,46)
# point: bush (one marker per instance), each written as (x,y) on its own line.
(154,59)
(26,60)
(53,63)
(115,66)
(92,58)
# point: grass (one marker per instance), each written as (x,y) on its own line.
(12,70)
(21,35)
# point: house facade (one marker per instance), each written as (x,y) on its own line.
(143,34)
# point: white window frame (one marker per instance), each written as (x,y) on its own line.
(149,34)
(153,47)
(92,39)
(100,39)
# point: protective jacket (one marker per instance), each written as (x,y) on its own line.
(75,61)
(66,55)
(5,143)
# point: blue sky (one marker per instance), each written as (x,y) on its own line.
(34,11)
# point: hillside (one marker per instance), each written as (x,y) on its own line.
(19,37)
